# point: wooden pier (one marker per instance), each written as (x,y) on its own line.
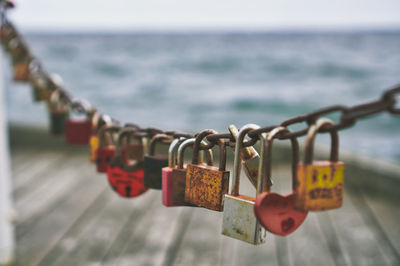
(69,216)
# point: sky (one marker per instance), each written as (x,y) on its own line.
(102,15)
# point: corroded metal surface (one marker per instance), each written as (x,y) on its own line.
(206,186)
(239,220)
(320,186)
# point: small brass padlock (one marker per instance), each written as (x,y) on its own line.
(320,184)
(239,221)
(206,185)
(58,111)
(154,162)
(274,211)
(179,174)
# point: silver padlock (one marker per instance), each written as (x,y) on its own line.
(239,221)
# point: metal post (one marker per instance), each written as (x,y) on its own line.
(7,240)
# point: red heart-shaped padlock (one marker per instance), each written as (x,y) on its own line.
(277,214)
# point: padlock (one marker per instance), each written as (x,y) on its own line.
(179,174)
(276,212)
(320,183)
(239,221)
(79,129)
(250,158)
(206,185)
(58,111)
(167,172)
(7,33)
(127,180)
(21,70)
(106,150)
(98,122)
(133,151)
(39,82)
(153,162)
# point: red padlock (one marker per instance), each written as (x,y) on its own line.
(127,180)
(106,150)
(79,129)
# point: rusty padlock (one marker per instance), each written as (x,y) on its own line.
(126,179)
(166,172)
(206,185)
(320,184)
(153,162)
(239,221)
(79,129)
(274,211)
(179,174)
(58,112)
(106,149)
(134,149)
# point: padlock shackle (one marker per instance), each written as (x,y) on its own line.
(164,138)
(82,106)
(102,135)
(189,143)
(173,147)
(55,103)
(197,146)
(126,132)
(265,168)
(237,162)
(311,134)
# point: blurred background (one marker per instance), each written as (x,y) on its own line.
(191,65)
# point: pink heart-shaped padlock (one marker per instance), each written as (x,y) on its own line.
(277,214)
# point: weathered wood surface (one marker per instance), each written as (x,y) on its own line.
(69,216)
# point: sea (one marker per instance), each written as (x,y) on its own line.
(208,80)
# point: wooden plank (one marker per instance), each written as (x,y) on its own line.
(37,170)
(54,186)
(92,236)
(151,236)
(377,235)
(387,213)
(27,220)
(44,235)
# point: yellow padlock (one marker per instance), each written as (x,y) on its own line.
(320,184)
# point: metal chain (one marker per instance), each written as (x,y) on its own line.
(348,115)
